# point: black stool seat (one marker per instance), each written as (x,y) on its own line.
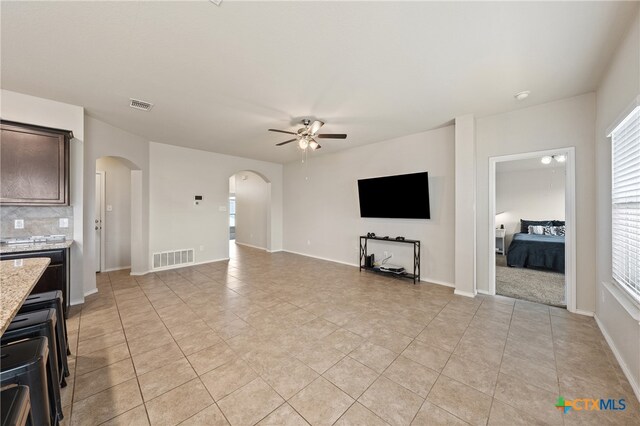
(24,364)
(15,406)
(52,300)
(37,324)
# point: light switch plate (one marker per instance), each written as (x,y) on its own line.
(222,208)
(109,208)
(64,222)
(19,224)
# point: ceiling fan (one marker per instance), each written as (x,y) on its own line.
(306,136)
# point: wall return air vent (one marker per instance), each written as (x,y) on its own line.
(168,259)
(138,104)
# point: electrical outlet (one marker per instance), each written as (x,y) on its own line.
(308,242)
(63,222)
(109,208)
(201,248)
(18,224)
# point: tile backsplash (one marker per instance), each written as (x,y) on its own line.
(37,221)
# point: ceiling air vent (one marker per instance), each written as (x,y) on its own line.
(138,104)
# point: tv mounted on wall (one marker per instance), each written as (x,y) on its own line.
(397,197)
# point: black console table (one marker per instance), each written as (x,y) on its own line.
(416,257)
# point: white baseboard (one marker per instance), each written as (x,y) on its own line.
(76,302)
(425,280)
(486,292)
(463,293)
(184,265)
(437,282)
(90,292)
(117,268)
(274,251)
(632,380)
(135,274)
(251,245)
(322,258)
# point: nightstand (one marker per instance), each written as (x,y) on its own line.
(500,246)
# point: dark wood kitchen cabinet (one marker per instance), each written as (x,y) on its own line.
(55,277)
(34,168)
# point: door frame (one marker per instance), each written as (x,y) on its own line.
(102,213)
(570,217)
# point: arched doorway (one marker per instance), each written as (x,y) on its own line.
(118,215)
(249,210)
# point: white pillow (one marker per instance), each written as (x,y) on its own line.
(536,229)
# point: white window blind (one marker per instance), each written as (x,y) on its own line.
(625,203)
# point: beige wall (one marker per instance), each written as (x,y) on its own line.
(565,123)
(617,315)
(465,206)
(322,212)
(177,175)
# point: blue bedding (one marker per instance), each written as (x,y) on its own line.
(537,251)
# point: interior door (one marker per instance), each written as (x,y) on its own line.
(98,222)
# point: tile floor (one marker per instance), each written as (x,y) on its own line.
(281,339)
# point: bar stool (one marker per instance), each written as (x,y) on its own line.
(15,406)
(37,324)
(52,300)
(24,363)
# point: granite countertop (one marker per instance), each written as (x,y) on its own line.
(19,248)
(17,279)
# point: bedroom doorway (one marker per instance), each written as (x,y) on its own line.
(532,198)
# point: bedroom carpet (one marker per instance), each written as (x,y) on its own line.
(529,284)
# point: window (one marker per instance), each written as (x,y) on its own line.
(625,203)
(232,211)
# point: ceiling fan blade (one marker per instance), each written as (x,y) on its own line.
(286,142)
(282,131)
(318,147)
(315,126)
(332,136)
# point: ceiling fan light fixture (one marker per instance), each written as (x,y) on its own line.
(315,126)
(306,136)
(546,159)
(560,158)
(521,96)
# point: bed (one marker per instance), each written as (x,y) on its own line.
(537,251)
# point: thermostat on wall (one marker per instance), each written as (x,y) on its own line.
(197,199)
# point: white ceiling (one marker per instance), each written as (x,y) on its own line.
(220,76)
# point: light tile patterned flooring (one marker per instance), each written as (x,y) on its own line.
(281,339)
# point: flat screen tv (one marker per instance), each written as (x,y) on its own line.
(397,197)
